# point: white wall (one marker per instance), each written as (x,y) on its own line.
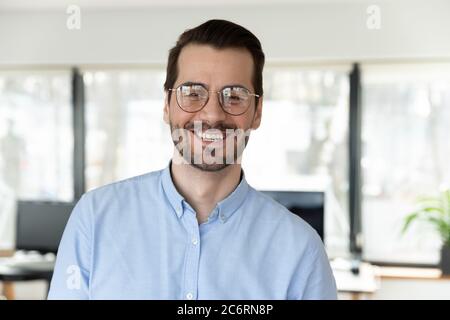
(322,31)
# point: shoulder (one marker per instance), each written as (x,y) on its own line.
(125,187)
(118,195)
(282,223)
(129,183)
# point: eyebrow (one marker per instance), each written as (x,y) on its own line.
(235,85)
(190,83)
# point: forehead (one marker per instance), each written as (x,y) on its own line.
(215,67)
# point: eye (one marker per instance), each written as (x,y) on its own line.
(192,92)
(235,97)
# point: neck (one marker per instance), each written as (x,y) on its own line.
(204,189)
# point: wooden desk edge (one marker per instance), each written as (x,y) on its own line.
(405,273)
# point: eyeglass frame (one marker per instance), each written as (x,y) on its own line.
(212,91)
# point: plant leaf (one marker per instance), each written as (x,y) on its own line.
(409,219)
(433,209)
(442,226)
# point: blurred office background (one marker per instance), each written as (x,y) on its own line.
(356,108)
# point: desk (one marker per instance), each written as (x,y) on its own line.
(386,283)
(412,283)
(10,273)
(411,273)
(361,285)
(8,287)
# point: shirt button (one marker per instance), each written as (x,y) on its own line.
(189,296)
(194,241)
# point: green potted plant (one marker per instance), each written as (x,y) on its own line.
(435,210)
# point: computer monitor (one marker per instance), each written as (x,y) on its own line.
(308,205)
(40,225)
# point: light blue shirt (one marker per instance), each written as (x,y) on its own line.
(139,239)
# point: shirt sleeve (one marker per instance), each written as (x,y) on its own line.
(73,263)
(321,284)
(314,278)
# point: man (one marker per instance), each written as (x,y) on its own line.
(196,230)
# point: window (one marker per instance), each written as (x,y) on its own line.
(125,131)
(302,143)
(36,135)
(406,151)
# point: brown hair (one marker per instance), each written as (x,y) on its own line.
(219,34)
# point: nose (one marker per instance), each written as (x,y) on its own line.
(212,111)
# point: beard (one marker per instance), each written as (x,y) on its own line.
(211,156)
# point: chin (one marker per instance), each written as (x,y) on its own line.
(210,167)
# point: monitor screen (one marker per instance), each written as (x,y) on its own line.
(308,205)
(40,225)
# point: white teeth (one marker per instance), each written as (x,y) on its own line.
(211,136)
(208,136)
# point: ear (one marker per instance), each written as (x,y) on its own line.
(258,114)
(166,108)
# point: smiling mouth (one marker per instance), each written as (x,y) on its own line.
(209,136)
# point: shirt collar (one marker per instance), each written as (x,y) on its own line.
(175,198)
(224,209)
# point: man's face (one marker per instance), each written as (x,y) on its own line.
(215,69)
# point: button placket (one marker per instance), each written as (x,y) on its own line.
(192,257)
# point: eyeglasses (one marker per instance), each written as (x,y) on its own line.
(193,97)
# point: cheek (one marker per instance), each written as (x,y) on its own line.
(246,122)
(179,118)
(174,113)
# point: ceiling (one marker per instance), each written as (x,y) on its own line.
(122,4)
